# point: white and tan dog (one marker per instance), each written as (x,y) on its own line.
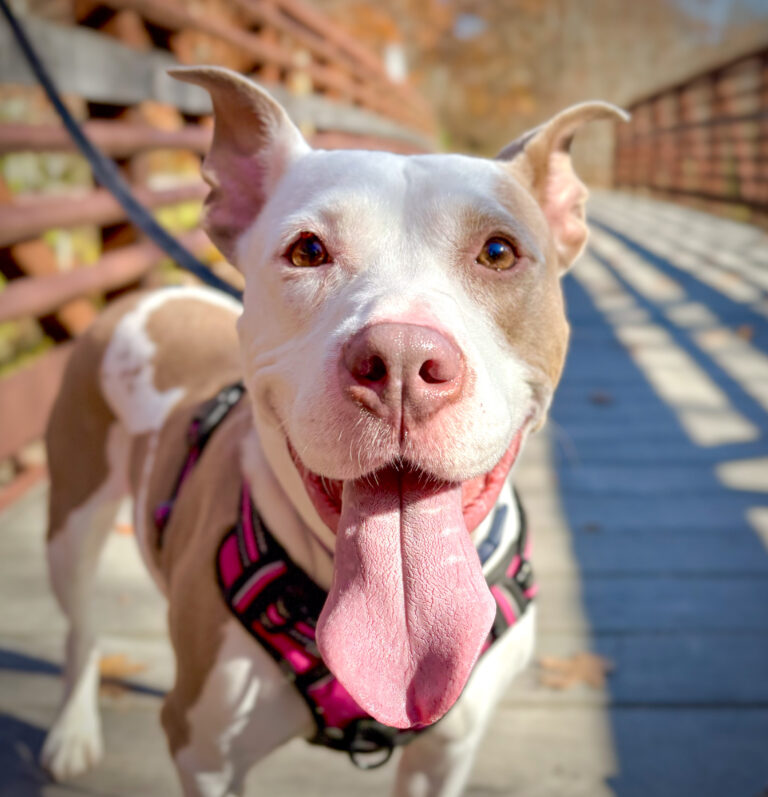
(402,332)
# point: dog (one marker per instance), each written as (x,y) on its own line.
(401,334)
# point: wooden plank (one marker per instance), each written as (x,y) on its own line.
(37,258)
(646,603)
(331,44)
(109,72)
(121,139)
(37,296)
(26,398)
(170,14)
(117,139)
(29,217)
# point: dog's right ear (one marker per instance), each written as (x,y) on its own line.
(254,142)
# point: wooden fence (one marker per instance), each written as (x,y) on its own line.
(703,141)
(109,58)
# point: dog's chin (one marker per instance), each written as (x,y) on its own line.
(479,494)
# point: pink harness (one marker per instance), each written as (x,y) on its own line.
(279,605)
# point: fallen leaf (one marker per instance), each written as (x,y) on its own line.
(601,398)
(112,669)
(587,668)
(124,528)
(118,665)
(746,331)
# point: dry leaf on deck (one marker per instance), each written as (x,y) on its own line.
(112,669)
(118,665)
(587,668)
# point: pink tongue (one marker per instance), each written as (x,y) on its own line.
(408,609)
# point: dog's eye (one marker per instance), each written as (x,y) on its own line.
(307,251)
(498,253)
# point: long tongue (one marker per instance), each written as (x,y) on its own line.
(409,609)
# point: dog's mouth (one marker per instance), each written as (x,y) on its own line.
(479,494)
(409,609)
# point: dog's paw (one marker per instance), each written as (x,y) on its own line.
(72,748)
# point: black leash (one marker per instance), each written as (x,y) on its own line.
(106,173)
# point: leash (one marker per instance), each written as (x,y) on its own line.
(106,172)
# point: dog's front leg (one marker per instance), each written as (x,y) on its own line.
(241,710)
(438,763)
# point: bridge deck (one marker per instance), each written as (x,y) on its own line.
(649,509)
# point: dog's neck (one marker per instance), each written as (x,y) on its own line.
(313,552)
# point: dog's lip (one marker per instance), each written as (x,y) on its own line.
(479,494)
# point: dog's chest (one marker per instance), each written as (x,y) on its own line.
(207,511)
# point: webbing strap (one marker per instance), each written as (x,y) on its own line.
(279,605)
(106,172)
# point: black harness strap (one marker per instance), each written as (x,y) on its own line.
(279,604)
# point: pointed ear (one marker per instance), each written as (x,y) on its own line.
(541,161)
(254,142)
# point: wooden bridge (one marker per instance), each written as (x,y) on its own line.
(648,491)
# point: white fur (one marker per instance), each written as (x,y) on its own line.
(74,741)
(389,223)
(439,762)
(247,709)
(127,372)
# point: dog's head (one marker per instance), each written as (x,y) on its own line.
(403,330)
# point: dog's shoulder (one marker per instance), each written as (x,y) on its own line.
(207,502)
(171,347)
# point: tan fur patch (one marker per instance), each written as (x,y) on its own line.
(196,346)
(80,421)
(527,302)
(206,508)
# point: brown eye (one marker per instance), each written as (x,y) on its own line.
(498,254)
(307,251)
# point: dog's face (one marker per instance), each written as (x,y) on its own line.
(403,330)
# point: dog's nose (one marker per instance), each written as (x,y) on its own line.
(404,370)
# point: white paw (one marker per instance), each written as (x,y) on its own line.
(72,747)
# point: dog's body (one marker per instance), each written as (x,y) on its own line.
(376,347)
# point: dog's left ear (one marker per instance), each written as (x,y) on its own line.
(254,143)
(540,159)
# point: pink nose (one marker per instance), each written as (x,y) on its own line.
(402,371)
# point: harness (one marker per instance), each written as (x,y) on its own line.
(279,605)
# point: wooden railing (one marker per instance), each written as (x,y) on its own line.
(335,90)
(703,141)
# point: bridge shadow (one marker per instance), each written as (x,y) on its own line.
(21,741)
(674,577)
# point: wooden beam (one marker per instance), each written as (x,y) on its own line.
(26,398)
(117,139)
(342,48)
(121,139)
(108,72)
(174,16)
(36,259)
(31,216)
(38,296)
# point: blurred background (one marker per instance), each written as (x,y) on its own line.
(648,490)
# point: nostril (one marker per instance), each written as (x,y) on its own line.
(430,372)
(372,369)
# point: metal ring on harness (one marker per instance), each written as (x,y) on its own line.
(366,737)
